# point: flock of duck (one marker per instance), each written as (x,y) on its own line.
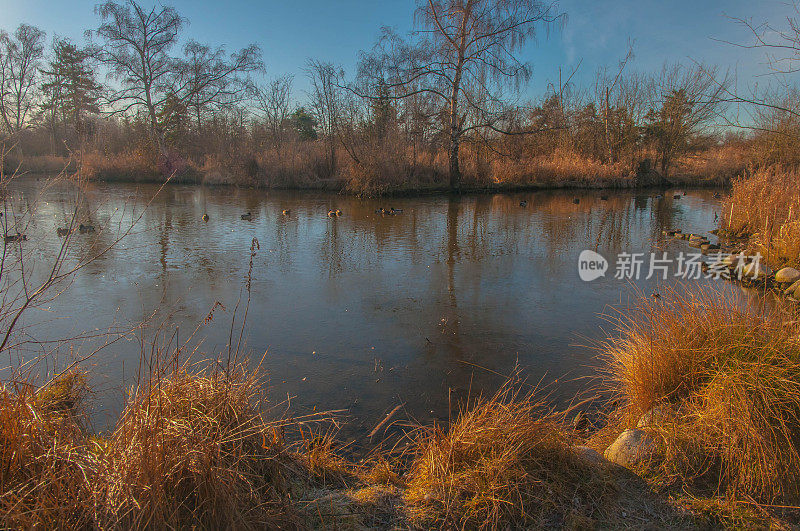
(331,213)
(60,231)
(88,229)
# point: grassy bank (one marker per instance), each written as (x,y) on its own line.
(306,167)
(715,389)
(764,209)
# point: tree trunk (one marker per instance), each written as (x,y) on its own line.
(455,172)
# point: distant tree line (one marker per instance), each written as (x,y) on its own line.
(439,105)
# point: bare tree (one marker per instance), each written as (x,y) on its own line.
(210,81)
(462,52)
(274,103)
(137,42)
(326,101)
(137,46)
(20,56)
(686,102)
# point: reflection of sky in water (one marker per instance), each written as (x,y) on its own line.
(449,285)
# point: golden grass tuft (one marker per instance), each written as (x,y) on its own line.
(44,468)
(193,451)
(722,383)
(504,462)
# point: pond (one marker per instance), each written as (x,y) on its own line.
(361,312)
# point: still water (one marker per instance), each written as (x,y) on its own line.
(362,312)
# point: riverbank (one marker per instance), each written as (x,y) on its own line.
(702,433)
(559,170)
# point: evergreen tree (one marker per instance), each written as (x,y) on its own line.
(70,91)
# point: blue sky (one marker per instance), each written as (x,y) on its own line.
(596,32)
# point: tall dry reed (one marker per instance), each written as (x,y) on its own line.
(765,207)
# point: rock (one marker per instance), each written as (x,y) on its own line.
(732,260)
(793,290)
(787,275)
(632,447)
(755,271)
(588,455)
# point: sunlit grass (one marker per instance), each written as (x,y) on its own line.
(723,387)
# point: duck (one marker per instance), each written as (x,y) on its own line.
(576,201)
(86,229)
(331,213)
(205,217)
(286,212)
(62,232)
(396,210)
(338,212)
(11,238)
(523,203)
(247,217)
(717,195)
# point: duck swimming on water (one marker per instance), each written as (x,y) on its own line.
(205,217)
(86,229)
(247,217)
(62,232)
(286,212)
(11,238)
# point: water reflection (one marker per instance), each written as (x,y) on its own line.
(364,311)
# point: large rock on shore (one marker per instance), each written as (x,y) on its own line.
(787,275)
(588,455)
(633,447)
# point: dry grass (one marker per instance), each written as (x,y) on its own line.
(44,466)
(560,168)
(765,206)
(718,165)
(725,383)
(192,450)
(504,462)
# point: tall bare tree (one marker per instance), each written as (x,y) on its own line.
(274,104)
(210,81)
(20,58)
(136,48)
(687,100)
(137,42)
(326,102)
(464,53)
